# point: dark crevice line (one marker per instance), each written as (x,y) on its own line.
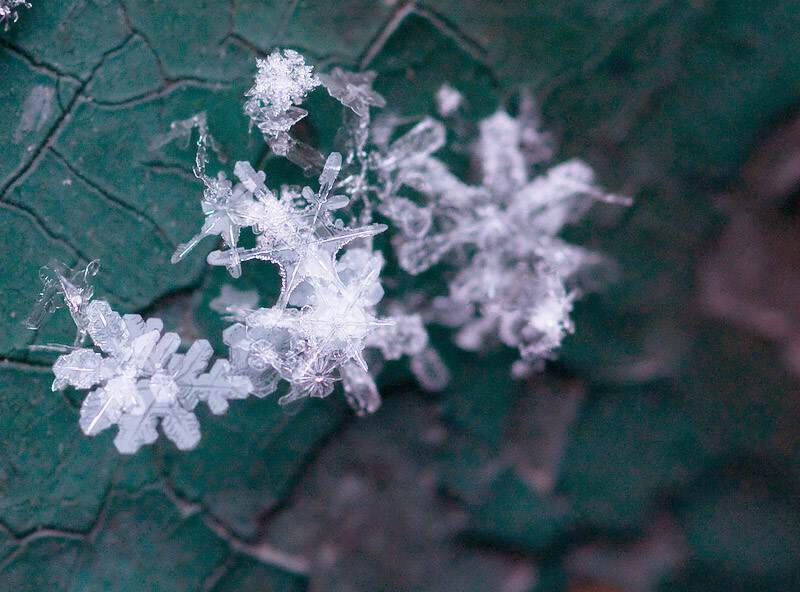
(57,127)
(39,223)
(232,7)
(444,24)
(262,552)
(25,365)
(109,53)
(167,168)
(139,33)
(245,44)
(77,253)
(474,49)
(34,64)
(188,290)
(119,202)
(170,86)
(375,46)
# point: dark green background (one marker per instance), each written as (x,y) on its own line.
(659,453)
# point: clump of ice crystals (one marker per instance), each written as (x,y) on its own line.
(281,83)
(8,10)
(133,372)
(511,279)
(325,317)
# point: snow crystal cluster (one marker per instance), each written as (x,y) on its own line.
(511,279)
(8,10)
(326,316)
(493,237)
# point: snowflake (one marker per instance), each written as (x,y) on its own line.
(317,331)
(134,372)
(8,10)
(511,279)
(282,82)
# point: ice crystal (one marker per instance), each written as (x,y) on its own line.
(315,334)
(132,371)
(281,83)
(8,10)
(64,286)
(353,90)
(448,100)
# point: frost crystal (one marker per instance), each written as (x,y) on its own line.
(8,10)
(511,279)
(448,100)
(134,372)
(72,287)
(281,83)
(317,331)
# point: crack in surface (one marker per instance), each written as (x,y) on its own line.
(165,168)
(394,21)
(34,64)
(135,31)
(40,225)
(25,366)
(57,127)
(260,551)
(451,30)
(171,85)
(117,201)
(88,536)
(245,43)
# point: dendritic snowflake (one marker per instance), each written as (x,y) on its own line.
(133,371)
(8,10)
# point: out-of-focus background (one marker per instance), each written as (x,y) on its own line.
(660,452)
